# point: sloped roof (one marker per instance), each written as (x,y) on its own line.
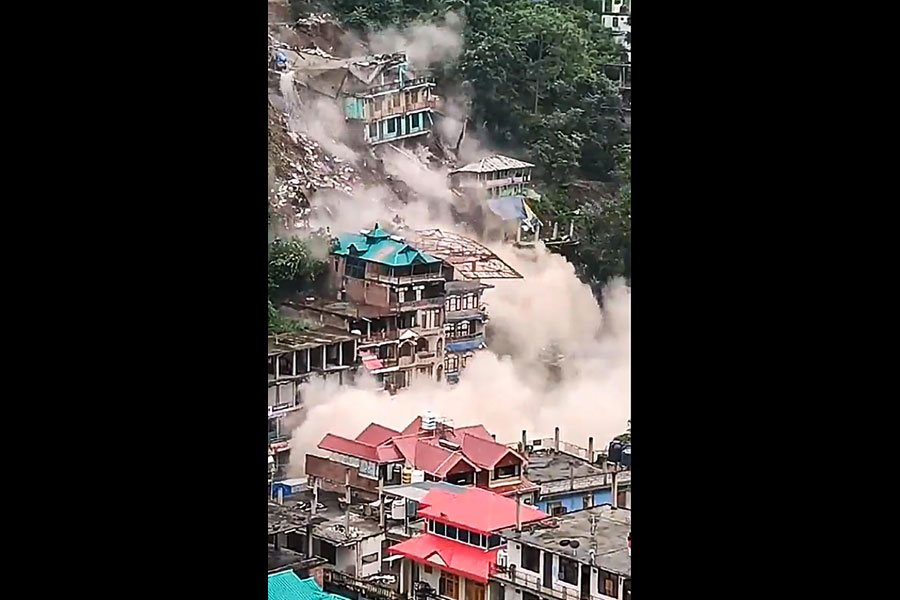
(492,163)
(452,556)
(379,246)
(341,445)
(477,510)
(376,434)
(477,431)
(428,457)
(286,585)
(482,452)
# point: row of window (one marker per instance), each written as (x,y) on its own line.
(464,535)
(462,329)
(392,126)
(465,302)
(607,583)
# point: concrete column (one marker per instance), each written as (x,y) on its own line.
(524,442)
(556,439)
(591,449)
(294,373)
(276,366)
(340,354)
(308,364)
(323,358)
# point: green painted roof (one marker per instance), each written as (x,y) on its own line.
(287,586)
(378,246)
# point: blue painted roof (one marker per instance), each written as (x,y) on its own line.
(465,346)
(378,246)
(287,586)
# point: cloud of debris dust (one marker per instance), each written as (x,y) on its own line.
(509,390)
(424,43)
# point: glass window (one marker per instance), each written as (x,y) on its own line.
(463,535)
(392,125)
(449,585)
(439,528)
(568,570)
(451,531)
(494,541)
(476,539)
(531,558)
(607,584)
(431,526)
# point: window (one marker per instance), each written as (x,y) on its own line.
(414,120)
(568,570)
(392,125)
(373,131)
(431,526)
(370,558)
(439,528)
(586,502)
(615,22)
(463,535)
(494,541)
(449,585)
(451,531)
(463,329)
(531,559)
(504,472)
(453,303)
(428,569)
(607,584)
(556,508)
(476,539)
(355,268)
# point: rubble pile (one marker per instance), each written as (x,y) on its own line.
(301,168)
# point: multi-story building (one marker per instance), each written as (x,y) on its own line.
(428,449)
(456,554)
(295,357)
(464,329)
(493,195)
(572,478)
(584,555)
(395,105)
(403,289)
(617,17)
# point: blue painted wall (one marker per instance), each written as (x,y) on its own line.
(575,501)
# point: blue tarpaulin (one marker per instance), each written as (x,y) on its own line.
(508,208)
(465,346)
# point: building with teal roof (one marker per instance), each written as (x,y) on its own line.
(286,585)
(382,248)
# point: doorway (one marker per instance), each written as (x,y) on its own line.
(585,582)
(548,570)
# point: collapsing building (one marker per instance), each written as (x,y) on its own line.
(493,194)
(383,99)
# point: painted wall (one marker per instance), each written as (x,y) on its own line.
(575,501)
(368,546)
(514,550)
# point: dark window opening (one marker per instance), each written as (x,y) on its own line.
(508,471)
(392,125)
(531,558)
(451,531)
(494,541)
(568,570)
(355,268)
(440,528)
(370,558)
(607,584)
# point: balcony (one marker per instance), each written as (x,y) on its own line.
(396,85)
(492,183)
(404,279)
(400,109)
(436,302)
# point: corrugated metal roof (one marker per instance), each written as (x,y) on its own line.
(452,556)
(477,510)
(379,246)
(287,586)
(493,163)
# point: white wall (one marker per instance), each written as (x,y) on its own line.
(367,546)
(514,550)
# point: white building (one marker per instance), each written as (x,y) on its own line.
(579,556)
(617,17)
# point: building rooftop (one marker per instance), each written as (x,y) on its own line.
(417,491)
(433,451)
(470,260)
(492,163)
(379,246)
(286,585)
(311,338)
(609,540)
(465,286)
(450,555)
(280,558)
(555,466)
(329,521)
(475,509)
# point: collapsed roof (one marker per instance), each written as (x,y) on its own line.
(493,163)
(470,259)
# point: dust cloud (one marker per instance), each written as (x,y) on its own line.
(509,390)
(424,43)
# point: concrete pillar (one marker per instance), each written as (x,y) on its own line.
(294,354)
(340,354)
(524,442)
(308,365)
(571,228)
(323,358)
(591,449)
(276,366)
(555,230)
(556,439)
